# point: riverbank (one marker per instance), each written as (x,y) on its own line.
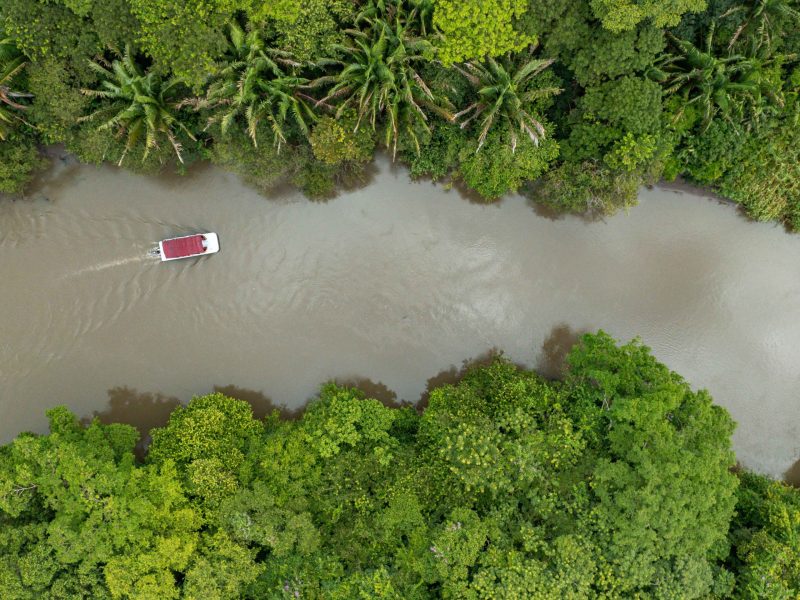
(396,283)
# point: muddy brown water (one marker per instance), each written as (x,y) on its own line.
(390,287)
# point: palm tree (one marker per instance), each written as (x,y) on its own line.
(730,86)
(253,86)
(762,20)
(140,105)
(12,62)
(378,76)
(506,94)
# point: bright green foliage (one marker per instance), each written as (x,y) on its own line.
(623,15)
(378,77)
(19,159)
(12,65)
(259,10)
(139,106)
(766,536)
(184,36)
(507,96)
(613,483)
(335,141)
(499,168)
(84,518)
(41,28)
(477,29)
(315,29)
(220,570)
(253,87)
(208,441)
(663,445)
(632,153)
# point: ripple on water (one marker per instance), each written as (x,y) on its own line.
(393,282)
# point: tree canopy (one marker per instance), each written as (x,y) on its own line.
(615,482)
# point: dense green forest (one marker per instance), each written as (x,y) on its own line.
(576,103)
(616,482)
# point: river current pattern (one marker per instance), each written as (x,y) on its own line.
(391,286)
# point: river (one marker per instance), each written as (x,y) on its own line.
(391,287)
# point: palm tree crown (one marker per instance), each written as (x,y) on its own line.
(139,104)
(762,21)
(727,86)
(378,75)
(12,62)
(506,94)
(254,86)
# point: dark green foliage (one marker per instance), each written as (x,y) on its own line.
(12,96)
(58,103)
(615,482)
(733,87)
(764,175)
(439,156)
(587,187)
(379,78)
(253,88)
(707,156)
(608,113)
(19,160)
(262,166)
(141,107)
(507,96)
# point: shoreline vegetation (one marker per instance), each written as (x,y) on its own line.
(616,481)
(577,104)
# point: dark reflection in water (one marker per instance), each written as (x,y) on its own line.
(143,410)
(262,404)
(792,474)
(373,389)
(552,359)
(455,374)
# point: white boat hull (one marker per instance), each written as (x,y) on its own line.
(211,242)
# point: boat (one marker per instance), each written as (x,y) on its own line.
(188,246)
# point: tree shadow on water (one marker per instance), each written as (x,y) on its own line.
(373,389)
(142,410)
(453,375)
(262,405)
(552,360)
(792,475)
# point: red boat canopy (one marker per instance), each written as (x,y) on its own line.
(180,247)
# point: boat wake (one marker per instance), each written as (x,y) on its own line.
(108,265)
